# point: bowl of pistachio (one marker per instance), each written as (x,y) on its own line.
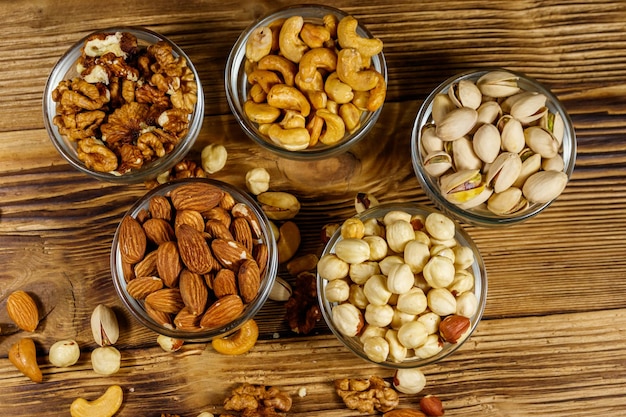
(493,147)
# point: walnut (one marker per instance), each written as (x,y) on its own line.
(174,120)
(151,95)
(302,310)
(125,124)
(257,401)
(165,62)
(79,125)
(367,395)
(95,155)
(76,95)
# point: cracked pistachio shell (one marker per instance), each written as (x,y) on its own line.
(511,133)
(442,105)
(464,156)
(430,141)
(528,106)
(507,202)
(456,124)
(461,186)
(544,186)
(504,171)
(486,142)
(476,199)
(553,164)
(541,141)
(554,123)
(498,84)
(465,94)
(437,163)
(104,326)
(530,165)
(488,112)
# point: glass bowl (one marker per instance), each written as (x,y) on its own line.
(66,69)
(482,204)
(124,273)
(238,87)
(469,260)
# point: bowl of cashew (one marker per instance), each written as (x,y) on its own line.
(116,112)
(306,82)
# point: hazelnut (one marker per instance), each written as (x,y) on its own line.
(106,360)
(432,406)
(348,319)
(64,353)
(213,158)
(453,328)
(258,180)
(409,381)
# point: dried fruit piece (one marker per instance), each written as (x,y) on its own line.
(22,309)
(23,355)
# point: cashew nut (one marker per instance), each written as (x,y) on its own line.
(266,79)
(241,342)
(377,94)
(290,44)
(335,127)
(105,406)
(315,126)
(279,64)
(348,38)
(350,72)
(315,59)
(257,94)
(330,22)
(337,90)
(315,36)
(351,116)
(316,84)
(260,112)
(283,96)
(292,119)
(259,43)
(318,99)
(295,139)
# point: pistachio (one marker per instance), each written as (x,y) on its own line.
(512,134)
(488,112)
(456,123)
(487,142)
(529,106)
(531,163)
(465,94)
(281,290)
(498,84)
(279,205)
(430,141)
(464,155)
(442,105)
(462,186)
(104,327)
(541,141)
(504,171)
(544,186)
(437,163)
(507,202)
(553,164)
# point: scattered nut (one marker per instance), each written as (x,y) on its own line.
(279,205)
(23,354)
(106,360)
(104,327)
(453,328)
(281,290)
(258,180)
(367,395)
(64,353)
(432,406)
(240,342)
(169,344)
(409,381)
(22,309)
(213,158)
(252,399)
(104,406)
(364,201)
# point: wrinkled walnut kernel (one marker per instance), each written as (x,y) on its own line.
(367,395)
(302,310)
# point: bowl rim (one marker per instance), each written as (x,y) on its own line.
(64,146)
(135,307)
(234,66)
(429,185)
(480,287)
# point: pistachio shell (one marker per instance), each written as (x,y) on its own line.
(488,112)
(430,141)
(478,199)
(529,107)
(456,124)
(464,155)
(541,141)
(544,186)
(487,142)
(465,94)
(504,171)
(512,134)
(507,202)
(553,164)
(437,163)
(498,84)
(554,123)
(530,165)
(460,179)
(442,105)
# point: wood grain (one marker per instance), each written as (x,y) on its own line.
(551,342)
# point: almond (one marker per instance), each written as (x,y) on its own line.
(160,208)
(288,241)
(227,202)
(404,412)
(194,250)
(191,217)
(23,354)
(22,309)
(127,271)
(161,318)
(225,283)
(229,253)
(158,231)
(147,266)
(218,230)
(261,256)
(168,263)
(242,232)
(167,300)
(198,196)
(432,406)
(453,328)
(186,320)
(218,213)
(222,312)
(132,240)
(141,287)
(193,291)
(249,280)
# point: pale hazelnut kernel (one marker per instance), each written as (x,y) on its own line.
(409,381)
(64,353)
(373,228)
(376,348)
(441,301)
(423,237)
(466,304)
(463,256)
(439,226)
(400,317)
(387,262)
(379,315)
(441,250)
(364,201)
(430,348)
(352,251)
(347,319)
(370,331)
(378,247)
(357,296)
(258,180)
(360,273)
(375,290)
(393,216)
(330,267)
(398,234)
(337,291)
(463,281)
(397,351)
(412,302)
(439,272)
(106,360)
(352,228)
(431,321)
(213,158)
(400,279)
(416,255)
(412,334)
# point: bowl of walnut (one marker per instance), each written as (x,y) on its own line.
(306,82)
(401,285)
(123,104)
(194,259)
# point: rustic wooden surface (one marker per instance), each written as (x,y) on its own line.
(552,341)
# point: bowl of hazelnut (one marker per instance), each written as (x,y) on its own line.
(401,285)
(493,147)
(194,259)
(123,104)
(307,81)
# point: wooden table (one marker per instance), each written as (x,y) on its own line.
(552,341)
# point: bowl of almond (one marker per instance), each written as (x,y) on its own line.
(401,285)
(123,104)
(194,259)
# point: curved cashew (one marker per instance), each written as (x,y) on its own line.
(351,116)
(259,43)
(317,84)
(318,99)
(290,44)
(377,94)
(276,26)
(285,97)
(260,112)
(241,342)
(315,59)
(335,127)
(257,94)
(349,71)
(330,22)
(314,36)
(292,119)
(295,139)
(277,63)
(348,38)
(105,406)
(360,99)
(337,90)
(315,126)
(266,79)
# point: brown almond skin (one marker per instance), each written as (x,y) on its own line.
(193,291)
(132,240)
(196,196)
(141,287)
(222,312)
(167,300)
(432,406)
(249,280)
(242,232)
(191,217)
(453,327)
(168,263)
(23,355)
(404,412)
(23,310)
(160,208)
(147,266)
(194,250)
(229,253)
(158,230)
(225,283)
